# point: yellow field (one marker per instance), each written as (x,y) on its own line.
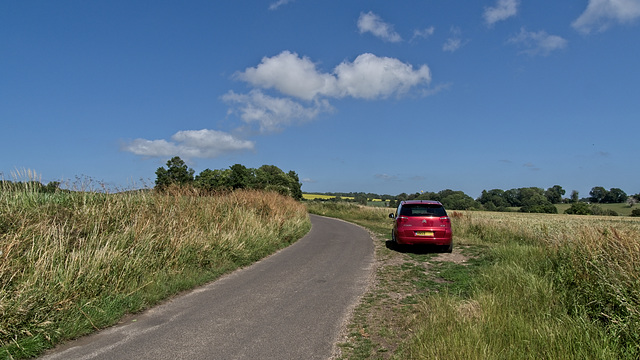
(327,197)
(323,197)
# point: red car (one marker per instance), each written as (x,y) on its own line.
(422,222)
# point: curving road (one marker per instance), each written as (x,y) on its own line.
(290,305)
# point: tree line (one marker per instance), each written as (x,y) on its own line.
(526,199)
(33,185)
(266,177)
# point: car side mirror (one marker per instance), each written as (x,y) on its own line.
(391,216)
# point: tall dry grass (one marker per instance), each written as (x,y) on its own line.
(71,262)
(553,287)
(560,286)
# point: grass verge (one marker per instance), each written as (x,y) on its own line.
(71,263)
(516,286)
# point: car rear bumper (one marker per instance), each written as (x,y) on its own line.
(409,238)
(423,241)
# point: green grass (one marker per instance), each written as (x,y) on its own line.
(74,262)
(530,286)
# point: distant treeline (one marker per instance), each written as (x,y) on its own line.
(528,199)
(33,186)
(266,177)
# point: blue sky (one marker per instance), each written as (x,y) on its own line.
(375,96)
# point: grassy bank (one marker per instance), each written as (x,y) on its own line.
(532,286)
(75,262)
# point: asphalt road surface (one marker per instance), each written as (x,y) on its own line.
(290,305)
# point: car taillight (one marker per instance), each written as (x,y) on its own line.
(445,219)
(402,219)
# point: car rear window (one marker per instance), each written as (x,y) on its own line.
(423,210)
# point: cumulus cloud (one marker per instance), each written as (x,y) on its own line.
(306,92)
(272,113)
(503,10)
(289,74)
(371,77)
(190,144)
(307,89)
(538,43)
(600,14)
(372,23)
(367,77)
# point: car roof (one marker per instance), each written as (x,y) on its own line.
(432,202)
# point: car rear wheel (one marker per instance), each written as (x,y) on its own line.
(448,248)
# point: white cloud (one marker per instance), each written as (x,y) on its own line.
(290,75)
(503,10)
(372,23)
(306,90)
(279,3)
(454,42)
(370,77)
(272,113)
(367,77)
(600,14)
(423,33)
(190,144)
(538,43)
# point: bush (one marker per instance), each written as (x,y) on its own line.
(635,212)
(579,208)
(544,208)
(597,210)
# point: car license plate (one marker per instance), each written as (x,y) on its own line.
(424,233)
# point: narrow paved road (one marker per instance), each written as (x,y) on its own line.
(288,306)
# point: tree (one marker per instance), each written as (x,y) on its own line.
(239,177)
(597,194)
(533,201)
(51,188)
(177,172)
(554,194)
(575,196)
(270,175)
(493,199)
(457,200)
(615,196)
(212,180)
(361,199)
(295,185)
(512,197)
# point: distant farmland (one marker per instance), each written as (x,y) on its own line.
(329,197)
(324,197)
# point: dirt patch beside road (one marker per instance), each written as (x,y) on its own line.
(383,318)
